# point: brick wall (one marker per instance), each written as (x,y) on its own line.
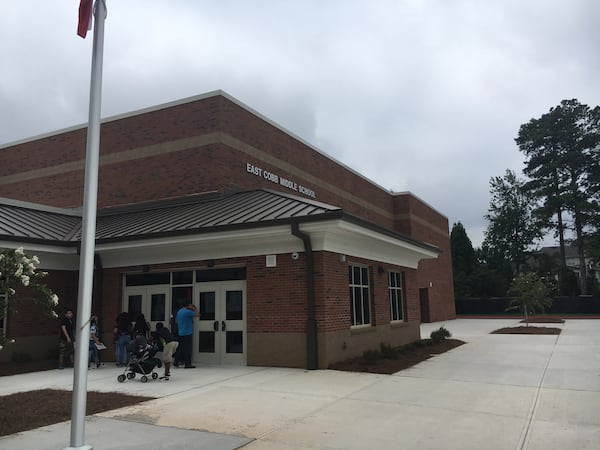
(276,295)
(237,137)
(331,287)
(420,221)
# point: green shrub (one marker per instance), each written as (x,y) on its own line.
(408,347)
(371,355)
(440,334)
(387,351)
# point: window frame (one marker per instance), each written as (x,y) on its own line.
(363,287)
(396,295)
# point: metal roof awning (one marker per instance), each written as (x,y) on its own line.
(215,224)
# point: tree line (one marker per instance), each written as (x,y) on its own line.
(559,194)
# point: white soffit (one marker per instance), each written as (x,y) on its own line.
(336,236)
(52,257)
(229,244)
(347,238)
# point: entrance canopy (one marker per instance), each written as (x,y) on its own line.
(205,226)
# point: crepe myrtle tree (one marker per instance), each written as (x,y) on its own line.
(530,294)
(18,271)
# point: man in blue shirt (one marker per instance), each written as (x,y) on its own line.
(185,325)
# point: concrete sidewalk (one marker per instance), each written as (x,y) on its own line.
(496,392)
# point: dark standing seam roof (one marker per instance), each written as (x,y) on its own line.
(193,214)
(196,214)
(234,210)
(18,223)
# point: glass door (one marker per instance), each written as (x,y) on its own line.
(152,301)
(157,301)
(221,336)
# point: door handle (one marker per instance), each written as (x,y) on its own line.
(222,325)
(216,325)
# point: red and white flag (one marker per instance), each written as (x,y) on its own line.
(85,17)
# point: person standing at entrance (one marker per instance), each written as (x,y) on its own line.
(122,337)
(185,325)
(66,340)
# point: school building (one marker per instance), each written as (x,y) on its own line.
(292,258)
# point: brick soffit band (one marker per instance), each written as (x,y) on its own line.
(200,141)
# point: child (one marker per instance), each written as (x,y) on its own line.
(169,344)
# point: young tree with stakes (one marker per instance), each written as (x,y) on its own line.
(530,295)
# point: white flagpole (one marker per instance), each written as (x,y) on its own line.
(88,237)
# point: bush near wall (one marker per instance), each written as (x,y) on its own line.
(582,304)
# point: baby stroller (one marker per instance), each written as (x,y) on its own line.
(141,360)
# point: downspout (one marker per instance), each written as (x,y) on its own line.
(312,360)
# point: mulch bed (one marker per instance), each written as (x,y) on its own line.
(527,330)
(403,357)
(28,410)
(544,320)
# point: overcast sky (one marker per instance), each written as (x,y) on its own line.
(424,96)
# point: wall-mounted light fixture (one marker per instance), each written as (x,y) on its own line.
(380,269)
(342,258)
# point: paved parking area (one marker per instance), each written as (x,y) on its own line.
(495,392)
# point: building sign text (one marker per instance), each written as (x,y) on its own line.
(274,178)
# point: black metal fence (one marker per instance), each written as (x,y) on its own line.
(583,304)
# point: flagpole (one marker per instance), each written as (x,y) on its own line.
(88,237)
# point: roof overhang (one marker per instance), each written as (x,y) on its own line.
(52,257)
(348,238)
(194,229)
(337,236)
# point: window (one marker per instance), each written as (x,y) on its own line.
(3,314)
(147,279)
(396,295)
(360,306)
(186,277)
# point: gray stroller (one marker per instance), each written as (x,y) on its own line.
(142,361)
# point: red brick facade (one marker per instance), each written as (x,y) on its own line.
(214,143)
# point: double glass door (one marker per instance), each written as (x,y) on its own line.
(152,301)
(221,331)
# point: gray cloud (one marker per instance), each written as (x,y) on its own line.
(421,96)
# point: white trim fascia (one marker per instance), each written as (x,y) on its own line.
(336,236)
(52,257)
(230,244)
(350,239)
